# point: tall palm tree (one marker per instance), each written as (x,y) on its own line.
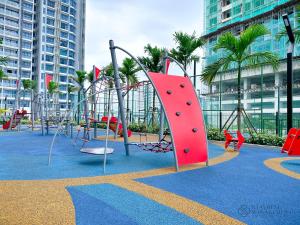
(3,76)
(33,91)
(152,62)
(52,88)
(80,79)
(237,55)
(186,46)
(70,89)
(26,85)
(128,70)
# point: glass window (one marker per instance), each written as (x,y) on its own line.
(64,8)
(64,43)
(71,54)
(50,30)
(49,67)
(50,21)
(49,58)
(51,3)
(50,40)
(50,12)
(49,49)
(72,45)
(64,25)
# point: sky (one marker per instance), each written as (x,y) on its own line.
(134,23)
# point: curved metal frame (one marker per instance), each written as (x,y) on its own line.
(126,143)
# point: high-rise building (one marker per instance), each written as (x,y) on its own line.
(263,90)
(41,37)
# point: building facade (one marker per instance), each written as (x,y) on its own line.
(263,90)
(40,37)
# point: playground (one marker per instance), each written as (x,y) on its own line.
(98,171)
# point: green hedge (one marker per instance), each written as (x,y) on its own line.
(135,127)
(261,139)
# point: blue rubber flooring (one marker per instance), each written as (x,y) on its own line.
(24,156)
(109,204)
(293,165)
(242,188)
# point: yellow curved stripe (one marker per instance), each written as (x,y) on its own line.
(275,164)
(48,201)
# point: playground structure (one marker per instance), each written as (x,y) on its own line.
(236,141)
(291,145)
(15,120)
(184,119)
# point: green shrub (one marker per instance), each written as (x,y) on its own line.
(214,134)
(135,127)
(266,139)
(261,139)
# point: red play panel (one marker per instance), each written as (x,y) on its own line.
(289,140)
(184,115)
(292,143)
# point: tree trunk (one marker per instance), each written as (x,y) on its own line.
(239,99)
(127,107)
(31,110)
(78,108)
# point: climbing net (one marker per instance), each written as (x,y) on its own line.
(162,146)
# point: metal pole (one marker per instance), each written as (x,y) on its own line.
(261,99)
(107,131)
(289,91)
(119,93)
(162,114)
(220,103)
(94,102)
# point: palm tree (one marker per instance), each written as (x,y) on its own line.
(26,85)
(33,88)
(186,46)
(152,62)
(3,76)
(128,70)
(238,56)
(52,88)
(80,79)
(70,89)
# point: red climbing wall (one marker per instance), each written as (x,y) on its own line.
(184,115)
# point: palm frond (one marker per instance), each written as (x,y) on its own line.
(227,41)
(210,72)
(258,59)
(3,76)
(186,46)
(249,35)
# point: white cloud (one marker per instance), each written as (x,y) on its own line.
(132,24)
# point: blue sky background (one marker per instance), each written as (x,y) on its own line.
(134,23)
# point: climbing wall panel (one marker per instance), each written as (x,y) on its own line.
(184,115)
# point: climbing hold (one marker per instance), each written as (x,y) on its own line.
(186,150)
(195,130)
(178,113)
(182,85)
(169,92)
(189,102)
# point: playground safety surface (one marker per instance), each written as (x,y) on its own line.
(256,186)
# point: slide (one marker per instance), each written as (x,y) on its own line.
(16,119)
(113,125)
